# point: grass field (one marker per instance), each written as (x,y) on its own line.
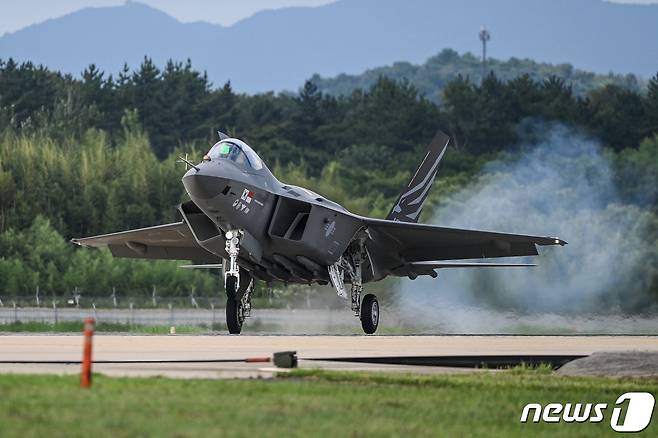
(111,327)
(114,327)
(304,403)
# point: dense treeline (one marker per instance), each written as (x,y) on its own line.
(486,117)
(39,257)
(97,154)
(178,105)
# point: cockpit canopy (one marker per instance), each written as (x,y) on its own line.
(237,151)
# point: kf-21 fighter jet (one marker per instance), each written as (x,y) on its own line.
(243,220)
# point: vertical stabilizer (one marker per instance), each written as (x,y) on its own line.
(410,203)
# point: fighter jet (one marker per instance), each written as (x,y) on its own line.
(240,218)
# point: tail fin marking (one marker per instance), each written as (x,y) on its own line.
(410,203)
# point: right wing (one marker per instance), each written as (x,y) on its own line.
(169,242)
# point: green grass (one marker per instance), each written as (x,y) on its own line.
(303,403)
(114,327)
(78,326)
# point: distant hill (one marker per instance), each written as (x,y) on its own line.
(430,78)
(279,49)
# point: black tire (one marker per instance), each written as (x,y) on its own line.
(369,314)
(234,316)
(232,287)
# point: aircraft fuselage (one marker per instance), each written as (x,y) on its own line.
(290,233)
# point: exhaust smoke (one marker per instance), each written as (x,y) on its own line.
(561,186)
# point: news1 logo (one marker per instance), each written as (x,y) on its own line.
(637,416)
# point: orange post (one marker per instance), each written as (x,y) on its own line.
(85,376)
(258,359)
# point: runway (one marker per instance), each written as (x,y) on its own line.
(63,348)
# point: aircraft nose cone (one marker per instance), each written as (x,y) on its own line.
(203,186)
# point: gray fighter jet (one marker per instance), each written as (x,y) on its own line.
(243,220)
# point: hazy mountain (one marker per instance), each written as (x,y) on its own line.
(430,77)
(278,49)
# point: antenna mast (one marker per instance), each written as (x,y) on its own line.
(484,37)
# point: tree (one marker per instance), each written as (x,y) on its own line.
(651,107)
(149,101)
(617,116)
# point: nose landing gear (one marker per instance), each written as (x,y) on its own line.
(234,315)
(238,301)
(238,284)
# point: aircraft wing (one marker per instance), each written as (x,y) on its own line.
(419,242)
(169,242)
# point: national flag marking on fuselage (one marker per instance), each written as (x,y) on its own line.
(247,196)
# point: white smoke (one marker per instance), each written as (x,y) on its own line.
(562,186)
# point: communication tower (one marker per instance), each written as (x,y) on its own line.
(484,37)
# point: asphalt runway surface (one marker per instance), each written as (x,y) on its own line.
(192,356)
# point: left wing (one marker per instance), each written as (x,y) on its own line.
(420,242)
(170,242)
(398,247)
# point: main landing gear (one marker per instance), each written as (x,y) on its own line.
(367,310)
(238,284)
(369,314)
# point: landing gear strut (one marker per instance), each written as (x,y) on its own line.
(232,270)
(238,284)
(367,310)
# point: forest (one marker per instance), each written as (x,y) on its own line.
(95,154)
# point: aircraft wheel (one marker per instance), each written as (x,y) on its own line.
(234,316)
(231,287)
(369,314)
